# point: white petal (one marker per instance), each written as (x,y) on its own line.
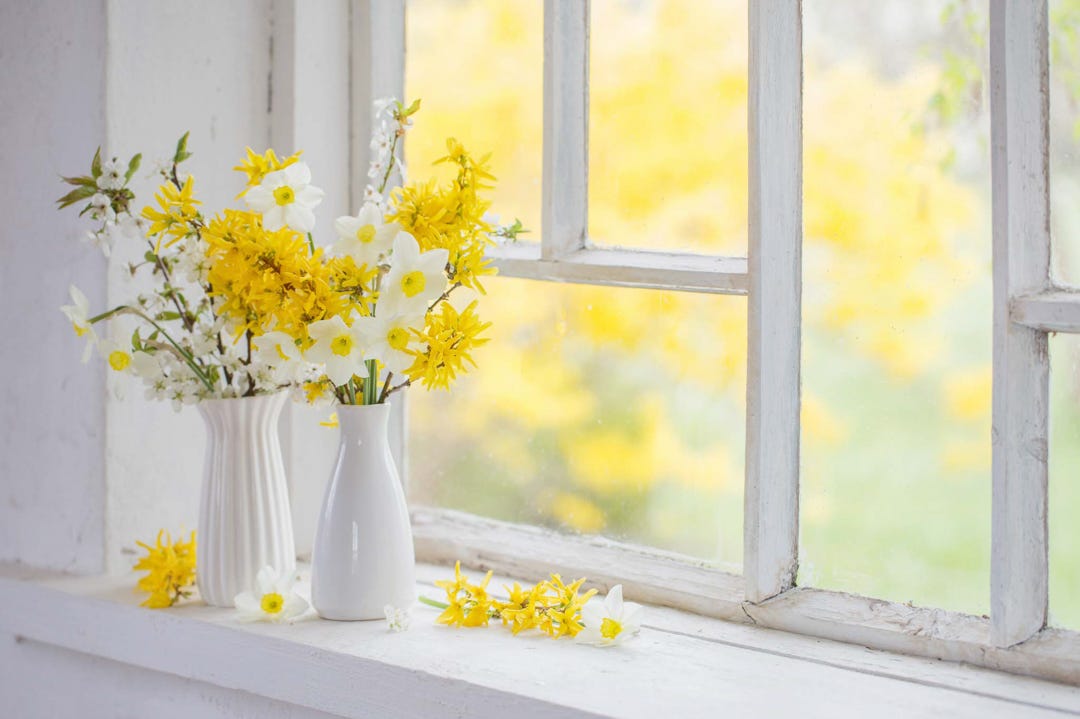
(346,227)
(406,250)
(309,196)
(299,217)
(613,601)
(369,215)
(295,605)
(259,198)
(266,579)
(297,174)
(247,603)
(274,218)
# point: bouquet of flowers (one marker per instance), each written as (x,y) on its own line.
(246,303)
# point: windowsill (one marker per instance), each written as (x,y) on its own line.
(681,665)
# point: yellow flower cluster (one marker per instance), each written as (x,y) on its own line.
(551,606)
(451,216)
(170,568)
(271,279)
(450,336)
(257,166)
(176,211)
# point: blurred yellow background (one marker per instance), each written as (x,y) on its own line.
(621,412)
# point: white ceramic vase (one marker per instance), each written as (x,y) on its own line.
(244,517)
(363,555)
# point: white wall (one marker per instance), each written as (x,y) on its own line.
(52,411)
(88,465)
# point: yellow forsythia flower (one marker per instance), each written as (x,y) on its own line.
(469,604)
(170,568)
(176,214)
(256,166)
(450,336)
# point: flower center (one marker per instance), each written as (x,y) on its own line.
(284,195)
(341,345)
(609,628)
(272,603)
(413,283)
(366,233)
(398,338)
(119,360)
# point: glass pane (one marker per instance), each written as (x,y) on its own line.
(478,67)
(667,124)
(1065,138)
(596,410)
(1064,480)
(897,302)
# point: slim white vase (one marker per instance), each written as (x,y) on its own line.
(363,555)
(244,518)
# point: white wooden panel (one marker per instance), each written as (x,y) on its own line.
(1021,238)
(771,522)
(378,71)
(566,126)
(1051,311)
(359,669)
(625,268)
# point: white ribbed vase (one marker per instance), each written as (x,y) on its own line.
(244,518)
(363,555)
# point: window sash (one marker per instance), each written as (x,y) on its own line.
(1026,307)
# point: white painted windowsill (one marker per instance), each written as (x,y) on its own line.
(681,665)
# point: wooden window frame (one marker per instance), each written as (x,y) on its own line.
(1027,305)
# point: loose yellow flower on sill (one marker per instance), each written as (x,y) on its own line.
(170,568)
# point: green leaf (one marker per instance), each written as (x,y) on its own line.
(136,341)
(81,192)
(412,108)
(95,166)
(150,256)
(181,153)
(167,316)
(133,166)
(83,180)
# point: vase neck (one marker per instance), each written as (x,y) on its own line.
(369,421)
(258,413)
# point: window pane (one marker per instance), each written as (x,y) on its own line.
(897,302)
(477,65)
(1065,138)
(1064,480)
(596,410)
(667,124)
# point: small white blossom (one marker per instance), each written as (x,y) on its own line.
(112,176)
(397,620)
(376,170)
(610,621)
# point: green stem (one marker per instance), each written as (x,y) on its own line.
(433,603)
(389,165)
(311,243)
(188,359)
(106,315)
(371,384)
(350,391)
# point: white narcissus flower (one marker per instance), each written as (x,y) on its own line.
(397,620)
(278,351)
(338,347)
(286,198)
(611,621)
(388,337)
(273,599)
(117,355)
(415,279)
(365,237)
(78,312)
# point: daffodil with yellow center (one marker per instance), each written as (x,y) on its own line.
(365,238)
(611,621)
(338,347)
(78,313)
(416,279)
(284,195)
(286,198)
(391,338)
(272,600)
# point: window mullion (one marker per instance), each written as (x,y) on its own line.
(377,67)
(771,521)
(1021,237)
(566,126)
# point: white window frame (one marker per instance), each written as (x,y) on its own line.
(1027,305)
